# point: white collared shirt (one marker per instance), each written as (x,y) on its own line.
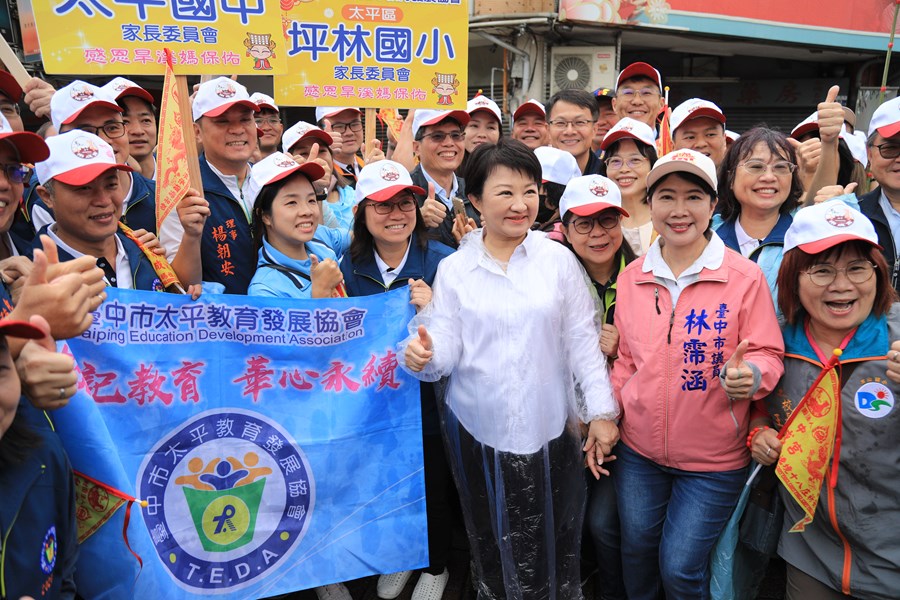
(439,192)
(389,274)
(515,343)
(245,193)
(746,243)
(123,265)
(13,251)
(711,258)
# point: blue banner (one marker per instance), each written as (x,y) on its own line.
(276,443)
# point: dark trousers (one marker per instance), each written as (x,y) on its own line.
(523,515)
(438,493)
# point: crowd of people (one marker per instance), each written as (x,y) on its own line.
(610,326)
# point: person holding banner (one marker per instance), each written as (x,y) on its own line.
(512,323)
(297,257)
(698,341)
(390,249)
(842,508)
(38,532)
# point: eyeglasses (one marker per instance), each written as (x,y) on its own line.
(16,172)
(386,208)
(586,224)
(629,93)
(889,150)
(632,163)
(438,137)
(271,122)
(110,130)
(758,167)
(9,110)
(859,271)
(342,127)
(562,124)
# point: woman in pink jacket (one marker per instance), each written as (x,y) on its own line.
(699,342)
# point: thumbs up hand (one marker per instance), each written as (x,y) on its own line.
(48,377)
(419,351)
(738,374)
(326,276)
(831,117)
(433,211)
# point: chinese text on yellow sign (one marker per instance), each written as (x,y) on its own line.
(127,37)
(376,53)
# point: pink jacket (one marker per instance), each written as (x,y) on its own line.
(666,379)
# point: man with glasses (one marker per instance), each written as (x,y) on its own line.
(606,118)
(639,93)
(571,115)
(699,125)
(882,205)
(346,121)
(139,117)
(268,121)
(439,142)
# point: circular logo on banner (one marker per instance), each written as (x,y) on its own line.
(874,400)
(48,551)
(229,497)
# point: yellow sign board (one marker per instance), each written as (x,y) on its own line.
(375,53)
(127,37)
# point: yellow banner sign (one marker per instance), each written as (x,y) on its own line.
(127,37)
(375,53)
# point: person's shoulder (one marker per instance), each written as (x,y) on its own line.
(439,248)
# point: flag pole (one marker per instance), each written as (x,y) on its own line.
(887,58)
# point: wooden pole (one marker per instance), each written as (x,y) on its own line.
(887,59)
(187,128)
(370,135)
(11,60)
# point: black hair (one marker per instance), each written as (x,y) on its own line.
(508,153)
(263,204)
(362,246)
(17,442)
(646,150)
(548,211)
(580,98)
(778,145)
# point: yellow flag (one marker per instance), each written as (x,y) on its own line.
(163,269)
(172,174)
(95,503)
(808,440)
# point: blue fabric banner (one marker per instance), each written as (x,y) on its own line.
(276,443)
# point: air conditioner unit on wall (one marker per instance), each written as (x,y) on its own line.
(582,67)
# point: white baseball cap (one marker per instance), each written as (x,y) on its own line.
(810,123)
(302,130)
(31,147)
(120,87)
(639,69)
(68,102)
(694,109)
(530,106)
(732,135)
(382,180)
(557,166)
(326,112)
(857,145)
(821,226)
(484,103)
(424,118)
(629,128)
(279,165)
(886,119)
(589,194)
(263,101)
(685,161)
(218,95)
(76,158)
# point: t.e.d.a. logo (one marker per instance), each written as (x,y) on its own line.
(229,496)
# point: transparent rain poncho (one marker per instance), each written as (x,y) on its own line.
(516,351)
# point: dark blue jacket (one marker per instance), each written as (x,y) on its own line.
(364,279)
(869,206)
(143,276)
(227,251)
(38,532)
(444,231)
(139,214)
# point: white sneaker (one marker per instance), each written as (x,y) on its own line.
(333,591)
(431,587)
(391,585)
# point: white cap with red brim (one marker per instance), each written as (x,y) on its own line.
(589,194)
(326,112)
(821,226)
(120,87)
(264,101)
(628,128)
(68,102)
(20,329)
(684,161)
(483,103)
(30,147)
(886,119)
(279,165)
(694,109)
(216,96)
(380,181)
(76,158)
(300,131)
(425,118)
(557,166)
(530,107)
